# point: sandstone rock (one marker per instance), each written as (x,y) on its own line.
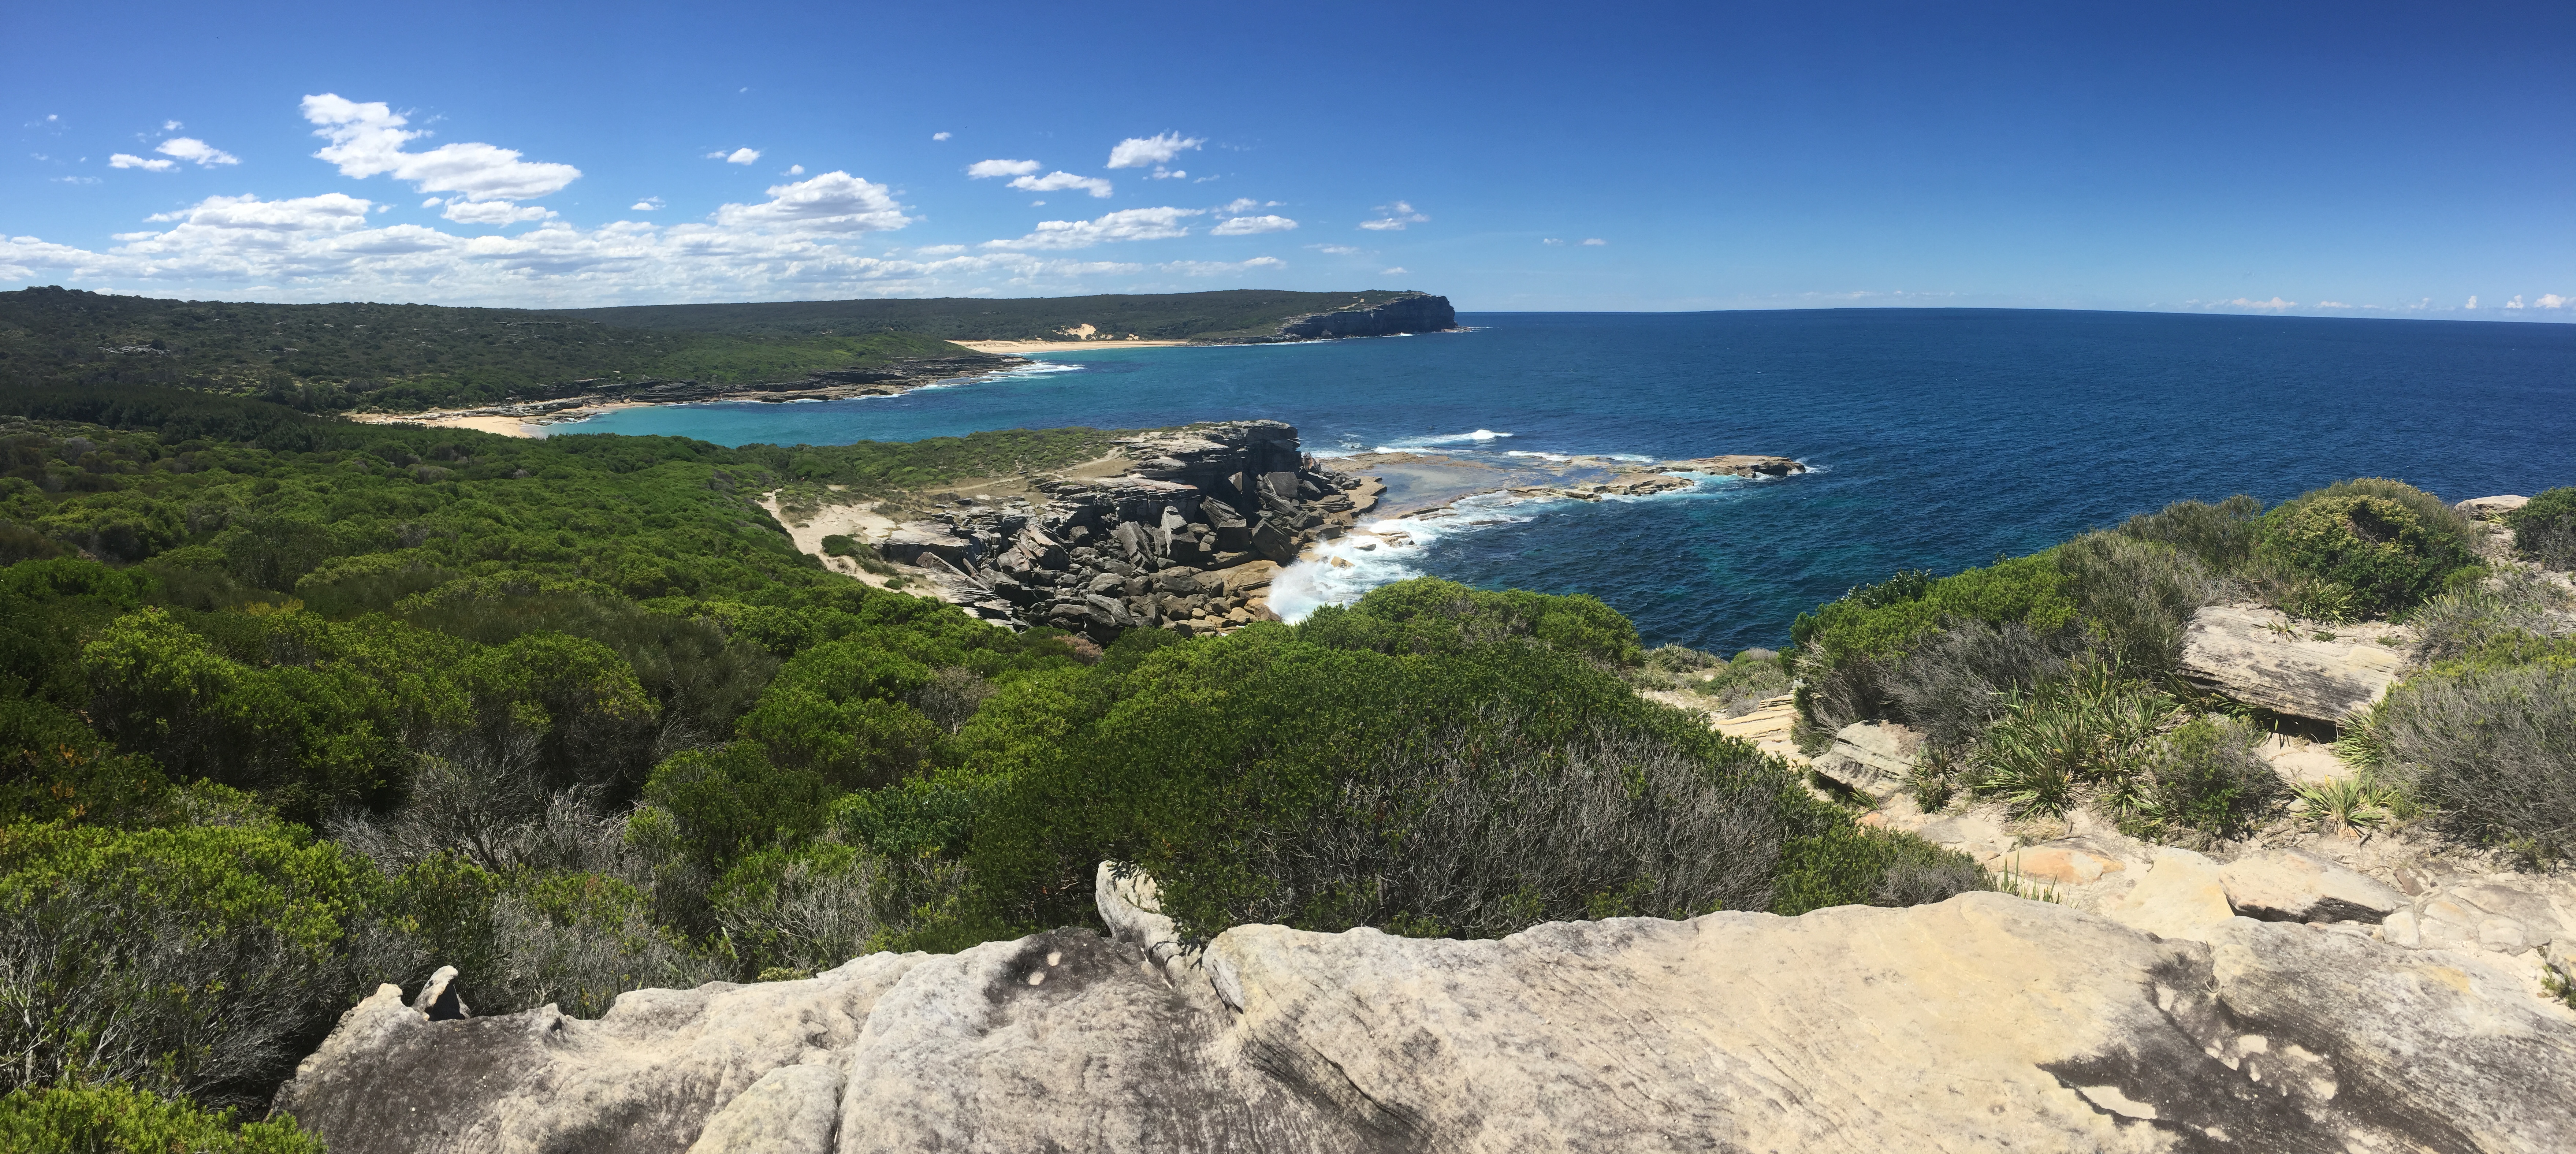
(439,999)
(2183,895)
(2060,865)
(2293,886)
(2490,508)
(2261,658)
(1873,757)
(1982,1023)
(1738,465)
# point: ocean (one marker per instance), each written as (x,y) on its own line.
(1940,438)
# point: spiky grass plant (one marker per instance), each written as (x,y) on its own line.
(2091,730)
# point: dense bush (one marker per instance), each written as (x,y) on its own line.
(2136,597)
(1958,681)
(1848,647)
(2489,745)
(2364,548)
(2203,776)
(114,1119)
(2221,537)
(2545,529)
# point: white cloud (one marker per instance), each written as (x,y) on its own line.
(2515,303)
(329,212)
(192,149)
(129,160)
(795,170)
(367,139)
(2473,303)
(1248,225)
(1398,270)
(166,125)
(1219,267)
(1243,204)
(1124,224)
(648,204)
(2550,301)
(495,212)
(831,202)
(1059,181)
(1393,217)
(1335,249)
(433,202)
(2274,303)
(1594,241)
(1550,240)
(984,168)
(737,156)
(939,136)
(2332,305)
(939,249)
(1141,151)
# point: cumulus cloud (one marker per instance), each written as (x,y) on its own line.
(1124,224)
(1594,241)
(2473,303)
(984,168)
(329,212)
(1219,267)
(737,156)
(129,160)
(1551,240)
(367,139)
(495,212)
(1145,151)
(2550,301)
(1393,218)
(1059,181)
(648,204)
(939,136)
(1248,225)
(1243,204)
(190,148)
(832,202)
(2515,303)
(166,125)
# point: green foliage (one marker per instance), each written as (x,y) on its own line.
(2202,776)
(2545,529)
(1842,864)
(2136,597)
(2489,744)
(2089,730)
(2221,537)
(2365,548)
(114,1119)
(199,959)
(729,801)
(325,358)
(1848,646)
(1429,615)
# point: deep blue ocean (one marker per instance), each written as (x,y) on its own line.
(1943,438)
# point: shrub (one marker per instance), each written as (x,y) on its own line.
(1848,647)
(816,907)
(200,961)
(2203,776)
(2545,529)
(1429,615)
(2364,548)
(578,940)
(2089,730)
(729,801)
(2137,598)
(2221,536)
(2491,748)
(1957,682)
(1838,863)
(115,1119)
(2489,620)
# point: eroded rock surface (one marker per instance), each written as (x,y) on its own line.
(2260,657)
(1983,1023)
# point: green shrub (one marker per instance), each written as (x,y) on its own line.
(2137,597)
(1838,864)
(2492,622)
(1429,615)
(2221,536)
(201,960)
(1848,648)
(2202,776)
(2087,731)
(2545,529)
(2489,746)
(730,801)
(2365,548)
(844,709)
(1956,682)
(813,908)
(115,1119)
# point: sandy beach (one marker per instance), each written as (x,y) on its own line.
(486,421)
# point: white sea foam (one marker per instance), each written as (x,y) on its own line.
(1557,457)
(1391,549)
(1419,443)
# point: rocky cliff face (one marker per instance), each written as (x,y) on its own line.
(1418,313)
(1180,538)
(1983,1023)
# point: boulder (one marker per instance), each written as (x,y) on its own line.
(1873,757)
(2291,885)
(2491,508)
(2259,657)
(1986,1022)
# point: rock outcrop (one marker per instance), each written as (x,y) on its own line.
(1412,313)
(1185,538)
(1986,1022)
(2321,673)
(1875,758)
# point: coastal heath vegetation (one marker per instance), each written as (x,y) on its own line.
(290,707)
(2049,682)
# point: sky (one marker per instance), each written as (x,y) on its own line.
(2307,159)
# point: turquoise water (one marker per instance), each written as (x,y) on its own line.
(1942,437)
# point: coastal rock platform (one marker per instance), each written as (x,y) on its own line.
(1986,1022)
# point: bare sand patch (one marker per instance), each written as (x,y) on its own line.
(1023,348)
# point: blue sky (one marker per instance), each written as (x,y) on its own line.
(2313,159)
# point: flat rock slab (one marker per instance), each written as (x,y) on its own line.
(1983,1023)
(2293,886)
(2260,657)
(1875,758)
